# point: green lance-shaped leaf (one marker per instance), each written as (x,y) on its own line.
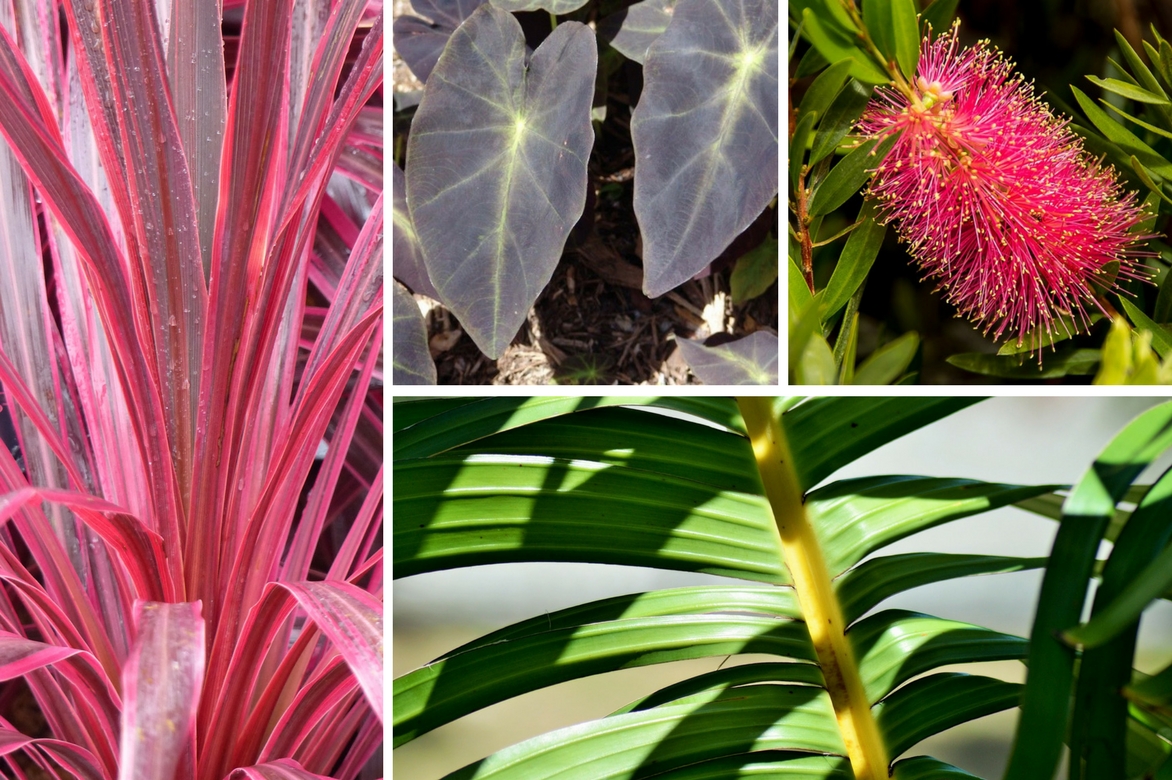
(412,361)
(705,135)
(1046,698)
(632,30)
(496,176)
(745,722)
(419,41)
(751,360)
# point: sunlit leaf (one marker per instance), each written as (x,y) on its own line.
(420,41)
(632,29)
(751,360)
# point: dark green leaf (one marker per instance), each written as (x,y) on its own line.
(894,646)
(456,685)
(849,176)
(923,767)
(939,16)
(839,119)
(1163,310)
(453,511)
(1062,328)
(1129,91)
(865,586)
(501,139)
(855,517)
(1154,691)
(812,62)
(859,253)
(634,439)
(1076,362)
(1146,587)
(766,765)
(1086,514)
(755,271)
(1121,136)
(728,677)
(825,89)
(906,36)
(835,46)
(481,417)
(827,433)
(765,717)
(1099,727)
(887,364)
(937,703)
(705,135)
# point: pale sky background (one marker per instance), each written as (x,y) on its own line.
(1024,440)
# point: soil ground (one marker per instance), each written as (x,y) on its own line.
(592,324)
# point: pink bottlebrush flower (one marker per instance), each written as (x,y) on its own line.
(995,196)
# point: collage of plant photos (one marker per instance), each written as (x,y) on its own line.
(756,577)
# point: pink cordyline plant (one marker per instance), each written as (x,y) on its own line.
(995,196)
(191,228)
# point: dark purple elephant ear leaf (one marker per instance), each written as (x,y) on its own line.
(419,41)
(408,263)
(496,171)
(705,135)
(409,354)
(751,360)
(553,6)
(633,29)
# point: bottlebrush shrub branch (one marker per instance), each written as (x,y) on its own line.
(189,587)
(995,196)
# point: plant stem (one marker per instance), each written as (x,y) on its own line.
(802,555)
(804,240)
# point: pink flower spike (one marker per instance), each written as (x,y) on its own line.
(995,196)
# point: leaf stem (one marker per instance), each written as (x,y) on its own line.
(802,555)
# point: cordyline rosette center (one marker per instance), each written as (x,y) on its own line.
(995,196)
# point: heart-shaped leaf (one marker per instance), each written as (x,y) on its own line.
(631,30)
(553,6)
(408,265)
(412,362)
(420,42)
(496,176)
(748,361)
(705,135)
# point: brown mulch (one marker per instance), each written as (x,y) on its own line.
(592,324)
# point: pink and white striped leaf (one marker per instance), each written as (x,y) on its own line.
(281,769)
(163,677)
